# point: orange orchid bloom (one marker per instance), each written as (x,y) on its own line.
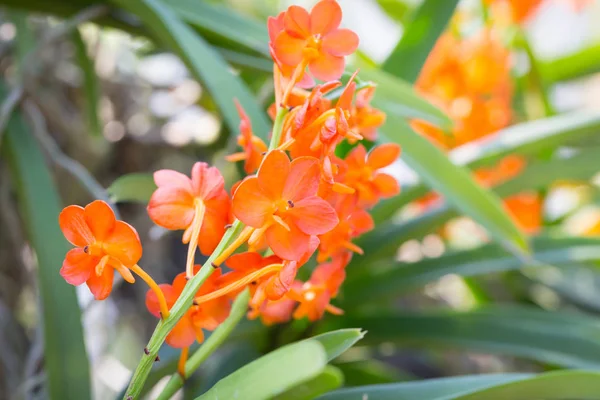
(364,176)
(353,223)
(365,119)
(253,146)
(526,210)
(103,244)
(314,40)
(275,312)
(520,11)
(199,205)
(207,316)
(281,204)
(315,295)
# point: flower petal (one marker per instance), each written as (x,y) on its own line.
(303,179)
(327,67)
(289,245)
(278,285)
(325,16)
(272,174)
(207,181)
(314,216)
(101,286)
(288,49)
(78,266)
(212,229)
(183,333)
(100,218)
(247,261)
(387,185)
(152,303)
(74,227)
(124,244)
(296,22)
(341,42)
(170,178)
(275,25)
(383,155)
(171,208)
(250,205)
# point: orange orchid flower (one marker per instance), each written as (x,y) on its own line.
(103,244)
(364,176)
(314,40)
(199,205)
(207,316)
(253,146)
(353,223)
(275,312)
(281,204)
(526,210)
(364,118)
(315,295)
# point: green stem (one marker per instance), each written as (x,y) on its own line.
(177,311)
(277,128)
(238,310)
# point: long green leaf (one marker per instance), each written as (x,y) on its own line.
(564,339)
(272,374)
(525,139)
(454,182)
(558,385)
(389,277)
(421,34)
(65,358)
(329,379)
(575,65)
(137,187)
(337,342)
(204,62)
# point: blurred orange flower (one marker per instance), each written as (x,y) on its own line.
(253,146)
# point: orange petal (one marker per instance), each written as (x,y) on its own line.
(207,181)
(170,178)
(183,333)
(289,245)
(387,185)
(296,22)
(383,155)
(325,16)
(78,266)
(303,179)
(327,67)
(74,227)
(100,218)
(101,286)
(124,244)
(212,230)
(242,262)
(289,49)
(152,303)
(275,25)
(272,174)
(171,208)
(361,222)
(280,284)
(250,204)
(357,157)
(341,42)
(314,216)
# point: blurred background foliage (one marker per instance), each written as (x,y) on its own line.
(97,95)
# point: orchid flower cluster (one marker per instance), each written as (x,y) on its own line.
(300,199)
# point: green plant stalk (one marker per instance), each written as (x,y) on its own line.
(238,310)
(177,311)
(277,128)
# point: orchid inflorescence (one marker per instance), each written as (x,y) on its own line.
(301,199)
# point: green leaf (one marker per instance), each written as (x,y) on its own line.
(136,187)
(389,277)
(91,86)
(398,97)
(525,139)
(370,372)
(395,9)
(212,19)
(329,379)
(419,38)
(273,373)
(575,65)
(337,342)
(558,385)
(204,62)
(65,359)
(564,339)
(455,183)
